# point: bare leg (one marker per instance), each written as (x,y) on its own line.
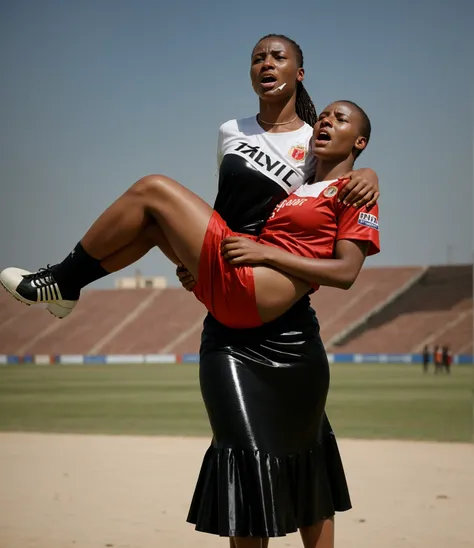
(181,219)
(264,542)
(320,535)
(275,291)
(120,236)
(149,238)
(182,216)
(247,542)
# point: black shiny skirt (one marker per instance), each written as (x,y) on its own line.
(273,465)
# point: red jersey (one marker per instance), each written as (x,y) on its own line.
(308,223)
(311,220)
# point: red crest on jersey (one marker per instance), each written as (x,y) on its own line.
(298,152)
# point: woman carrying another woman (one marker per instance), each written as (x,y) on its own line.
(281,358)
(267,426)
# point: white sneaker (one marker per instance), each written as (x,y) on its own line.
(37,288)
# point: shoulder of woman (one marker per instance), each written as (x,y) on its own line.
(238,123)
(228,124)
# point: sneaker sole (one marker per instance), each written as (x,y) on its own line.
(59,311)
(17,296)
(51,308)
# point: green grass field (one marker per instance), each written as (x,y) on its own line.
(365,401)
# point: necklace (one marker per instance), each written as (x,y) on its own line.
(277,123)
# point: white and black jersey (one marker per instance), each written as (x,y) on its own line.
(258,169)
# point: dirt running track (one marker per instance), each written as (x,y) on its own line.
(64,491)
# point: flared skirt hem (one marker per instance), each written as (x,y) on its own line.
(242,492)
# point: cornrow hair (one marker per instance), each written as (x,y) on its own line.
(304,105)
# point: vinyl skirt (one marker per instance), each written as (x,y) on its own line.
(273,465)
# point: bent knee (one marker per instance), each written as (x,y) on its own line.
(152,185)
(152,235)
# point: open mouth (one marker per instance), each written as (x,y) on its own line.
(268,81)
(322,138)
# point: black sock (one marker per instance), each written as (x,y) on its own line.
(78,269)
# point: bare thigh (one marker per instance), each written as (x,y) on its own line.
(182,216)
(276,292)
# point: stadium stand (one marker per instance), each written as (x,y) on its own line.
(35,331)
(173,313)
(387,310)
(437,309)
(337,310)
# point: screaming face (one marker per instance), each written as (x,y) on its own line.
(275,69)
(337,133)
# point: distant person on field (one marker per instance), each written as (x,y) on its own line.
(447,359)
(438,358)
(426,358)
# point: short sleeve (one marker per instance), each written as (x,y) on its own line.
(361,225)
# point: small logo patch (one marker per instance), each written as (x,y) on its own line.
(298,153)
(330,191)
(367,219)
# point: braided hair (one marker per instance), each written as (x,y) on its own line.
(305,108)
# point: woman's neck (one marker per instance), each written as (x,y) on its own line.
(279,113)
(327,170)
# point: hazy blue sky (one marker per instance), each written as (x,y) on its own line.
(95,94)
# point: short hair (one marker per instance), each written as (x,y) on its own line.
(305,108)
(365,126)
